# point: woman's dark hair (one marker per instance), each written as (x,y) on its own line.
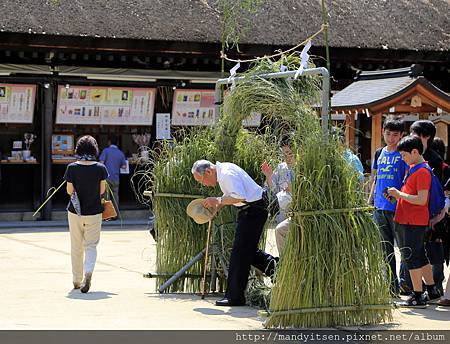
(114,140)
(86,145)
(438,146)
(424,128)
(408,143)
(394,124)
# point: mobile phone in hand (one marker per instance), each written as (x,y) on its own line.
(389,198)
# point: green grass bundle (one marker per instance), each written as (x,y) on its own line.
(332,270)
(179,237)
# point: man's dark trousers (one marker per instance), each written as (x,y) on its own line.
(245,252)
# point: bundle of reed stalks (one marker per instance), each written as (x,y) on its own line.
(332,270)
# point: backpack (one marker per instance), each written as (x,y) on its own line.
(437,197)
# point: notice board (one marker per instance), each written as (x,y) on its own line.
(105,105)
(17,103)
(193,107)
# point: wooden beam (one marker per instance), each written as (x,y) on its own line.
(350,131)
(410,109)
(376,133)
(433,98)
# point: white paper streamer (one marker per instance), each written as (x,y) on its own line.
(304,59)
(233,74)
(283,68)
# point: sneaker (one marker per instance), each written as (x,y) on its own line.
(413,302)
(432,295)
(86,282)
(76,285)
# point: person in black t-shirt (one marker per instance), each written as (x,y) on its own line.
(443,172)
(86,182)
(426,130)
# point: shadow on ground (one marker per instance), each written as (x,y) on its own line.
(209,304)
(91,296)
(242,312)
(432,312)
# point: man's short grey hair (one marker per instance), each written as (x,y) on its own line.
(200,166)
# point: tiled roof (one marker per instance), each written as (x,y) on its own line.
(365,92)
(375,87)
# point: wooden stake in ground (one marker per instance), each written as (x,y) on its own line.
(206,260)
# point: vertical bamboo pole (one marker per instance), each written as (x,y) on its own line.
(206,261)
(327,50)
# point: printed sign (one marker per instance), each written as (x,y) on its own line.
(163,126)
(62,144)
(126,169)
(105,105)
(193,107)
(255,117)
(17,103)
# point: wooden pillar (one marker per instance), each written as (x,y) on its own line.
(442,131)
(46,148)
(350,131)
(376,133)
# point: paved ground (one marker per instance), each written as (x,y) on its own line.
(36,289)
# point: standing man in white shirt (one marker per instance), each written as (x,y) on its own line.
(239,190)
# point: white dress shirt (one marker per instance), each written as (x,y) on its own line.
(235,182)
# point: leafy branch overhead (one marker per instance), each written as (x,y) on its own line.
(236,20)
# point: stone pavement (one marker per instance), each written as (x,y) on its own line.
(36,289)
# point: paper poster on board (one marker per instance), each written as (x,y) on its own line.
(105,105)
(253,121)
(17,103)
(126,169)
(193,107)
(163,126)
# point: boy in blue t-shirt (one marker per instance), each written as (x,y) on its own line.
(388,170)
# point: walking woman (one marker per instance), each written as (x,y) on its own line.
(86,182)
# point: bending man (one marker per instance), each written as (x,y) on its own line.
(239,190)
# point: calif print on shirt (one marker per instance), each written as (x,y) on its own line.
(386,165)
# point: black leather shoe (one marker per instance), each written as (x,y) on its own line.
(227,302)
